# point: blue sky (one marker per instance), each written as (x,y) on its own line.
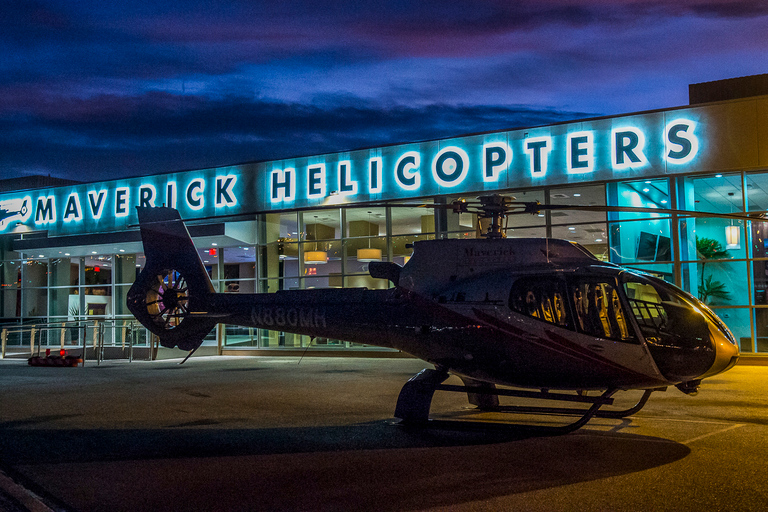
(92,91)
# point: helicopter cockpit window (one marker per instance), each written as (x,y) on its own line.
(663,317)
(544,299)
(598,311)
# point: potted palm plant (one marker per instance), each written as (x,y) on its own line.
(709,288)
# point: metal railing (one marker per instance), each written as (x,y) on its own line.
(97,335)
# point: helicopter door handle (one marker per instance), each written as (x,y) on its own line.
(596,348)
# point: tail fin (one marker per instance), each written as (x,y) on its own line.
(174,285)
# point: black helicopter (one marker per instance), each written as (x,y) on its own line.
(532,313)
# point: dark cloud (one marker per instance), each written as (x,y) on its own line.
(92,87)
(110,136)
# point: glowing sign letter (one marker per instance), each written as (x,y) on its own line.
(407,171)
(283,185)
(316,180)
(627,148)
(96,202)
(581,152)
(170,194)
(347,186)
(681,145)
(195,190)
(122,194)
(72,211)
(46,210)
(538,148)
(224,194)
(496,158)
(374,167)
(450,166)
(147,195)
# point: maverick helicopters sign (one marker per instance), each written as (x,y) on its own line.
(611,148)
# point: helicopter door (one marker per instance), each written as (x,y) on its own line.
(592,309)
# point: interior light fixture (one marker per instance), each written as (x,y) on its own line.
(315,257)
(370,254)
(732,237)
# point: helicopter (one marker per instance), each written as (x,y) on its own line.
(542,317)
(7,214)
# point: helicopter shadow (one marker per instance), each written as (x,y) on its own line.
(375,465)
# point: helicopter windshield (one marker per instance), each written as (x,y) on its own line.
(663,316)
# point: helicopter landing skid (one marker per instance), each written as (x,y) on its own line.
(415,401)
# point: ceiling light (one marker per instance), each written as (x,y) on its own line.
(315,257)
(366,255)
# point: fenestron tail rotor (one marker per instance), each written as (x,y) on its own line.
(167,299)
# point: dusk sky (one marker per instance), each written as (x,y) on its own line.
(92,91)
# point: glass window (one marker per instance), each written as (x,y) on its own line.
(10,273)
(125,268)
(527,220)
(239,269)
(362,251)
(718,283)
(35,273)
(539,232)
(10,304)
(279,227)
(590,236)
(412,220)
(598,310)
(640,237)
(712,238)
(541,298)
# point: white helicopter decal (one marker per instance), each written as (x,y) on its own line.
(14,210)
(528,313)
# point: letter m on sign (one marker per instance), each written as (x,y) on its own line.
(46,210)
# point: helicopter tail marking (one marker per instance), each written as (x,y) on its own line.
(170,295)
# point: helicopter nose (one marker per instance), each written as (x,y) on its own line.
(726,351)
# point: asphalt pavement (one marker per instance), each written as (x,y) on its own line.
(268,433)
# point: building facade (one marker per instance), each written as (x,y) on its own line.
(71,252)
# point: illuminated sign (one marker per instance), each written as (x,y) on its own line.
(593,150)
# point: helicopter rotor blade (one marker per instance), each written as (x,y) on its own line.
(535,208)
